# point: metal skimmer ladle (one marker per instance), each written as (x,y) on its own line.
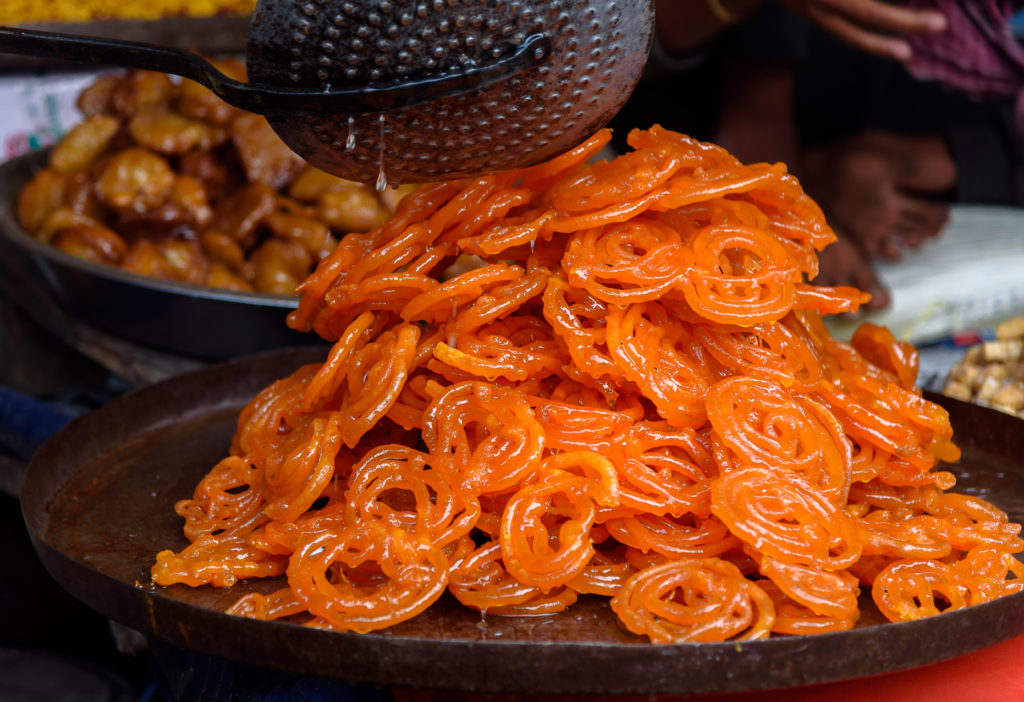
(407,92)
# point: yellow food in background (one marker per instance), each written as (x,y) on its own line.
(29,11)
(992,373)
(164,179)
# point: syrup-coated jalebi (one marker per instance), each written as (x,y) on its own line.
(606,379)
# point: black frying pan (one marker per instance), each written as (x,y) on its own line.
(98,501)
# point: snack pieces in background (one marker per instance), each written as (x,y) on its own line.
(32,11)
(164,179)
(632,396)
(991,373)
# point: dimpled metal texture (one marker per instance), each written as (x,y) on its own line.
(599,50)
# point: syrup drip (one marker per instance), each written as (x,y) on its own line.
(382,179)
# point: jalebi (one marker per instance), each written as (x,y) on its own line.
(603,379)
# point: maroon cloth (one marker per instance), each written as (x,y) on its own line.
(977,53)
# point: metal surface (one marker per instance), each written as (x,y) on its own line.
(98,502)
(190,320)
(265,99)
(599,48)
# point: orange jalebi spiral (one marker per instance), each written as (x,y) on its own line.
(488,434)
(781,515)
(479,580)
(690,599)
(909,589)
(224,502)
(831,594)
(603,379)
(792,617)
(410,578)
(759,423)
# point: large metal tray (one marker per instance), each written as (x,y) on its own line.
(188,320)
(98,502)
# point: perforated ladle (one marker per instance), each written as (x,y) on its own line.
(412,91)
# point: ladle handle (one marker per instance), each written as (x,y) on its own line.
(265,100)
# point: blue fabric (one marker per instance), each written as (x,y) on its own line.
(180,675)
(299,690)
(316,690)
(1017,24)
(26,423)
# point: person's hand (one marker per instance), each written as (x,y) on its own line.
(872,25)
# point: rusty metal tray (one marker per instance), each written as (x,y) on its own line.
(98,502)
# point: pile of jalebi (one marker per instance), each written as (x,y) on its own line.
(630,393)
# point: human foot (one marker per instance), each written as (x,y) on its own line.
(878,188)
(843,263)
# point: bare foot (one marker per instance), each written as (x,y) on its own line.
(843,263)
(877,187)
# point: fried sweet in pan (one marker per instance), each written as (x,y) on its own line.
(189,195)
(223,250)
(265,158)
(185,259)
(168,133)
(312,183)
(184,211)
(241,215)
(312,234)
(87,140)
(212,171)
(355,208)
(223,277)
(97,98)
(140,89)
(199,102)
(93,243)
(170,259)
(61,219)
(714,603)
(40,197)
(134,180)
(278,266)
(80,195)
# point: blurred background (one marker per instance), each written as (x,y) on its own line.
(908,135)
